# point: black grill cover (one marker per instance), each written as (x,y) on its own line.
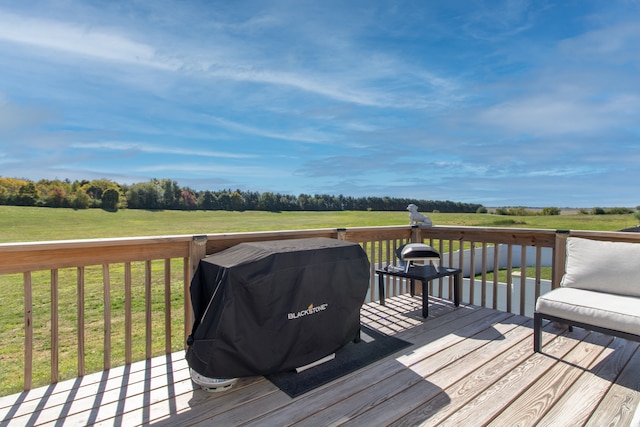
(267,307)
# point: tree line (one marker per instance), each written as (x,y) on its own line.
(166,194)
(522,211)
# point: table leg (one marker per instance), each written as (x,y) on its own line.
(425,299)
(537,332)
(456,289)
(381,288)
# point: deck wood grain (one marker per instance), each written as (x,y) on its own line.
(467,365)
(623,397)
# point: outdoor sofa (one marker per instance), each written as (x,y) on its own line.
(600,290)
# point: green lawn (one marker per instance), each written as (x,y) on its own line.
(23,224)
(545,274)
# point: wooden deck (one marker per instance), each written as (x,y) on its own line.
(467,366)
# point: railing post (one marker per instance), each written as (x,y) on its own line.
(559,257)
(342,233)
(80,320)
(106,279)
(197,251)
(55,338)
(416,234)
(28,330)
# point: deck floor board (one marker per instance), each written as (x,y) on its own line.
(467,365)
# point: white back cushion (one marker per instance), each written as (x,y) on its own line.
(595,265)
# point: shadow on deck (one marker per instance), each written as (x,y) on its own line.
(467,366)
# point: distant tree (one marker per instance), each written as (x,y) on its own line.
(597,211)
(269,202)
(144,195)
(207,200)
(514,211)
(9,188)
(188,199)
(110,200)
(94,191)
(171,193)
(618,211)
(236,202)
(224,201)
(550,211)
(80,200)
(519,211)
(57,198)
(251,199)
(304,202)
(53,193)
(27,195)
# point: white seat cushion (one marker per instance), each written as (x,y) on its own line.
(618,312)
(612,267)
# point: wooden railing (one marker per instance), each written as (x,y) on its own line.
(123,299)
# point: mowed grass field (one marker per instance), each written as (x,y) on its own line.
(26,224)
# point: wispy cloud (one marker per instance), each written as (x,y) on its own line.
(610,41)
(76,39)
(357,83)
(156,149)
(215,169)
(502,19)
(309,136)
(552,114)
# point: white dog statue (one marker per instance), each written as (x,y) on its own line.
(416,218)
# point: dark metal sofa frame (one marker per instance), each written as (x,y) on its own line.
(537,329)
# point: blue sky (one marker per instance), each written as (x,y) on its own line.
(503,103)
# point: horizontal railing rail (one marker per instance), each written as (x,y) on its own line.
(74,307)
